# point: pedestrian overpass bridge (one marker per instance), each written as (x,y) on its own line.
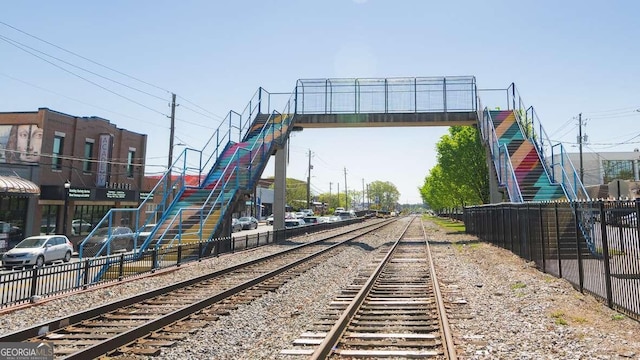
(524,164)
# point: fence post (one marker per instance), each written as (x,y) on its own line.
(529,233)
(179,260)
(605,253)
(121,268)
(200,251)
(578,250)
(558,242)
(154,260)
(87,265)
(542,249)
(34,280)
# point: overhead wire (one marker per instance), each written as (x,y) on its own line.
(84,58)
(6,39)
(213,116)
(81,77)
(77,100)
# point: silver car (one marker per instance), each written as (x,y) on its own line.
(37,251)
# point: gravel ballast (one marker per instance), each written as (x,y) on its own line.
(516,311)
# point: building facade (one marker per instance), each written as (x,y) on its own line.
(76,169)
(603,167)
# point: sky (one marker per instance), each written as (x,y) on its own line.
(121,60)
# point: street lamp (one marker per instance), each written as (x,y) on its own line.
(67,186)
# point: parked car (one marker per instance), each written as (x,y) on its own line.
(290,223)
(12,234)
(344,215)
(38,251)
(121,240)
(311,220)
(79,226)
(270,220)
(235,225)
(248,222)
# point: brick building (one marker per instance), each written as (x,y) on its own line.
(51,162)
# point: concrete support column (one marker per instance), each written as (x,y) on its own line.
(280,186)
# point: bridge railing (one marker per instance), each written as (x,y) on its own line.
(499,156)
(386,95)
(556,162)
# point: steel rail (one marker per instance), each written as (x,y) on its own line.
(334,335)
(450,350)
(143,330)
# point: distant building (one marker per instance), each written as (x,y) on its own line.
(603,167)
(600,169)
(42,150)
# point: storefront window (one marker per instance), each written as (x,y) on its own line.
(13,212)
(86,217)
(48,222)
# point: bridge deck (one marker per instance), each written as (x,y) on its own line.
(385,119)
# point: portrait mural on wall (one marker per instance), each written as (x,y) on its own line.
(20,144)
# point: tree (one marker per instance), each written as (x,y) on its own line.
(384,195)
(296,193)
(460,177)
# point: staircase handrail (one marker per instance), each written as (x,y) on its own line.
(574,188)
(210,150)
(504,168)
(229,170)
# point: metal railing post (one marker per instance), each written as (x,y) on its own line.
(542,248)
(121,267)
(605,254)
(34,280)
(85,279)
(558,242)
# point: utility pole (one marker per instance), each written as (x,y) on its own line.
(309,182)
(346,196)
(368,198)
(338,195)
(362,193)
(580,146)
(173,123)
(330,183)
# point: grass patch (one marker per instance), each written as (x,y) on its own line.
(579,320)
(518,285)
(558,317)
(449,225)
(617,317)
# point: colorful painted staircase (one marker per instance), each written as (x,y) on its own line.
(234,174)
(529,172)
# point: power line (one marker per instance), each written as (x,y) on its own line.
(218,117)
(77,100)
(81,77)
(84,58)
(214,116)
(6,39)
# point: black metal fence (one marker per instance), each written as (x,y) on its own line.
(27,285)
(549,235)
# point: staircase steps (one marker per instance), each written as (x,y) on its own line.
(529,171)
(232,158)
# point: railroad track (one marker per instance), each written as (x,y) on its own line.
(394,309)
(145,323)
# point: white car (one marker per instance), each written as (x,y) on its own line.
(37,251)
(289,223)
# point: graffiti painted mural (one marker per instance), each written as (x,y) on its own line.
(20,144)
